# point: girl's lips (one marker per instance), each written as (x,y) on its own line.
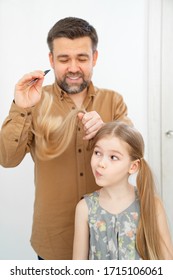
(97,174)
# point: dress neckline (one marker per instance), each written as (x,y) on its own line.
(123,211)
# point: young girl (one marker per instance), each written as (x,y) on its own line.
(120,221)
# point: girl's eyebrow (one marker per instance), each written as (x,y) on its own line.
(111,151)
(96,146)
(116,152)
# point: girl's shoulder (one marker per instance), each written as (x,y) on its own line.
(81,207)
(88,199)
(92,195)
(92,199)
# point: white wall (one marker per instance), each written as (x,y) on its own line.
(122,66)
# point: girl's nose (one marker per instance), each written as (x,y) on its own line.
(102,163)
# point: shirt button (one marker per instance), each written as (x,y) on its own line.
(78,128)
(79,150)
(16,140)
(73,108)
(22,114)
(81,174)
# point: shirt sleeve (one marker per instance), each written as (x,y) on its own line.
(15,136)
(120,109)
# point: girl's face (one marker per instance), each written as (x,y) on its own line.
(110,162)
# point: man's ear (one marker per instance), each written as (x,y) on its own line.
(51,60)
(95,56)
(134,166)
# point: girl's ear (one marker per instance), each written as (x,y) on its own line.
(134,166)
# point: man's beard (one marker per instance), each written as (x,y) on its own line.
(72,89)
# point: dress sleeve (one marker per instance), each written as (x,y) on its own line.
(15,136)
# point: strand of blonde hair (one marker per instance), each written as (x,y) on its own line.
(53,134)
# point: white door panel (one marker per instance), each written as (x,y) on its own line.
(160,99)
(167,108)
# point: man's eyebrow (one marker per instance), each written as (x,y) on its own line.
(62,55)
(83,54)
(78,55)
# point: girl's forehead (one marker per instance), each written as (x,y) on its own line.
(111,143)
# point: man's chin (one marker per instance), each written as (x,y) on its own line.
(70,89)
(75,89)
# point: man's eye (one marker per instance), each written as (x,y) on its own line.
(82,59)
(63,60)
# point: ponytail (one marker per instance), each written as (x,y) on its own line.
(147,239)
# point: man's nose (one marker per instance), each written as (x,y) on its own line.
(73,66)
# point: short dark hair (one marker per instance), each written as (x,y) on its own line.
(72,28)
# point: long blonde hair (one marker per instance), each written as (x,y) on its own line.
(52,134)
(148,238)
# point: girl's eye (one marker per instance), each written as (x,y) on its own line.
(97,153)
(114,158)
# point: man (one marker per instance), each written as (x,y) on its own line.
(62,181)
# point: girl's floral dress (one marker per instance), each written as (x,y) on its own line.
(112,236)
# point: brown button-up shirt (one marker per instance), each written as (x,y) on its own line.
(61,182)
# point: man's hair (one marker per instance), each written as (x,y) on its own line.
(72,28)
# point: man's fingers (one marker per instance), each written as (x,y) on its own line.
(80,115)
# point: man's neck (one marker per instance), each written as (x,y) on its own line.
(78,98)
